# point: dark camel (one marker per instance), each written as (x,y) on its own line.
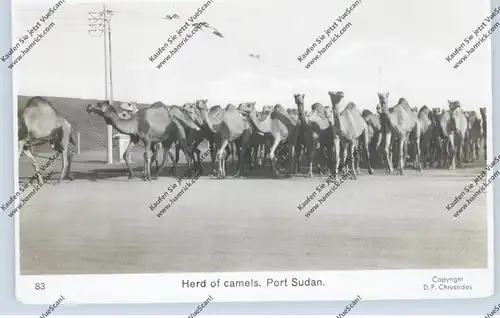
(278,128)
(474,137)
(482,110)
(426,125)
(317,131)
(40,123)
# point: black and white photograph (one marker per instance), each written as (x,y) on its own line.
(184,151)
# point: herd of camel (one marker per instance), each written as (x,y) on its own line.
(329,137)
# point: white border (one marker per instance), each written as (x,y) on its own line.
(340,285)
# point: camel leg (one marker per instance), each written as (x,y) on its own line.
(272,156)
(336,147)
(460,145)
(476,149)
(27,152)
(133,141)
(366,145)
(20,147)
(244,148)
(298,151)
(351,149)
(312,156)
(357,157)
(166,152)
(176,161)
(418,155)
(291,155)
(451,141)
(220,153)
(345,165)
(388,152)
(64,165)
(402,146)
(231,148)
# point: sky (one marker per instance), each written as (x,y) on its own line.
(407,40)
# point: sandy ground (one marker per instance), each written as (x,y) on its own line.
(101,223)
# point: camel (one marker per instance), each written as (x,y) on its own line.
(482,110)
(40,123)
(279,127)
(441,136)
(259,149)
(474,137)
(400,121)
(233,128)
(374,130)
(457,132)
(426,125)
(209,121)
(158,123)
(316,129)
(348,126)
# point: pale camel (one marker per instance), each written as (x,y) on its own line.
(348,126)
(40,123)
(457,132)
(233,128)
(400,120)
(158,123)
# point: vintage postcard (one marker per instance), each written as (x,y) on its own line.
(221,151)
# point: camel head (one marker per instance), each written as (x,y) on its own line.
(335,96)
(436,110)
(482,110)
(99,108)
(299,99)
(453,104)
(383,98)
(191,110)
(267,109)
(201,104)
(247,108)
(415,110)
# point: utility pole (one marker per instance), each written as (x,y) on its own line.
(380,78)
(100,21)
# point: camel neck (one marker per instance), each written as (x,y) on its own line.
(208,120)
(302,114)
(336,114)
(258,123)
(124,126)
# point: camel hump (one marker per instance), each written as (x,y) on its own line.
(350,106)
(230,107)
(158,104)
(279,108)
(403,101)
(366,113)
(424,110)
(317,107)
